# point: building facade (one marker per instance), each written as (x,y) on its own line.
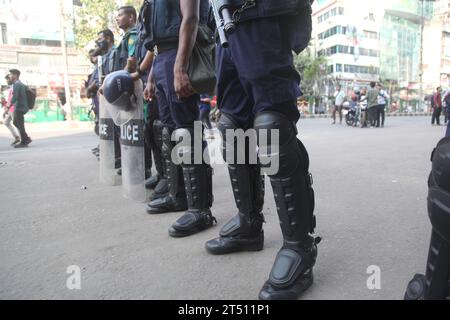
(374,40)
(436,51)
(347,33)
(32,44)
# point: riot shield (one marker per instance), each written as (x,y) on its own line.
(131,123)
(108,173)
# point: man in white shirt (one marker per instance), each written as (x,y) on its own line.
(383,98)
(339,96)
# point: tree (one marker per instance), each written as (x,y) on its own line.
(135,3)
(311,70)
(92,17)
(96,15)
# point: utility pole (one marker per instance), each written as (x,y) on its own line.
(421,98)
(64,56)
(422,27)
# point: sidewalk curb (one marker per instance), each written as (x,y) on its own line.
(60,126)
(404,114)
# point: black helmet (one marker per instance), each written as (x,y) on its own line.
(118,89)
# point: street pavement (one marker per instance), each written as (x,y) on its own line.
(370,187)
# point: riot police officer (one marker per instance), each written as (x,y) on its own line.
(257,88)
(173,39)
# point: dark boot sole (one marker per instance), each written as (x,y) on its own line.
(151,186)
(256,244)
(156,196)
(174,233)
(302,285)
(164,210)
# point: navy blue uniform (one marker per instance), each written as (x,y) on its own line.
(256,73)
(258,88)
(190,185)
(174,113)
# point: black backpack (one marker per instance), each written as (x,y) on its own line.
(31,97)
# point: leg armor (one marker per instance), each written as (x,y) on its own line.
(176,200)
(436,284)
(244,231)
(117,147)
(198,186)
(292,187)
(155,182)
(148,138)
(204,118)
(157,148)
(438,265)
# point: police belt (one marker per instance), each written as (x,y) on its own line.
(166,46)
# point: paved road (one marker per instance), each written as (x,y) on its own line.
(370,203)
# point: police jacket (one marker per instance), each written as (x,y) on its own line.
(126,49)
(296,17)
(108,62)
(160,21)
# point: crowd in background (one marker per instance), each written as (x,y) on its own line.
(371,104)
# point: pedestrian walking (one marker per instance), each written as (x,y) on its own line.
(20,102)
(9,112)
(436,102)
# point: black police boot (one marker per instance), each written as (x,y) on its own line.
(198,182)
(198,185)
(292,272)
(152,182)
(161,190)
(243,232)
(176,199)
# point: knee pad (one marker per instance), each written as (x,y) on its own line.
(226,122)
(292,184)
(241,146)
(291,151)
